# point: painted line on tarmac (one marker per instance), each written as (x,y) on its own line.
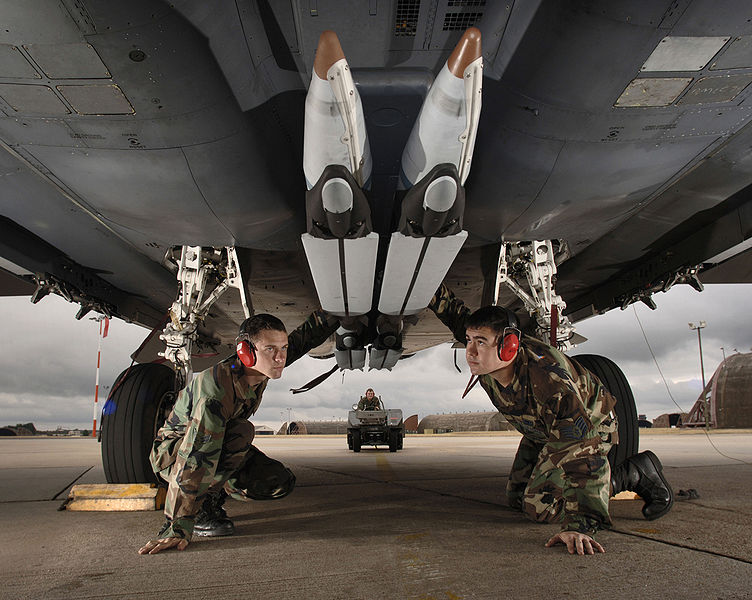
(422,573)
(385,469)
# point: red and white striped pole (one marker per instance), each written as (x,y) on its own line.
(99,356)
(96,384)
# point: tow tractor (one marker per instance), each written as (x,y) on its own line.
(375,427)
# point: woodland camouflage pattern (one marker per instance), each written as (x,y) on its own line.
(366,404)
(560,473)
(206,439)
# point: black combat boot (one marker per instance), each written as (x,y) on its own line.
(643,473)
(212,519)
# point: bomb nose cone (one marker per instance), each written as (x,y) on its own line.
(465,52)
(328,52)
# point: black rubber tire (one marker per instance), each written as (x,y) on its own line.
(356,440)
(141,399)
(626,411)
(349,439)
(401,440)
(393,440)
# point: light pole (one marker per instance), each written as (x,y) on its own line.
(698,327)
(724,353)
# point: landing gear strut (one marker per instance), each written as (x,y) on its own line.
(198,267)
(535,261)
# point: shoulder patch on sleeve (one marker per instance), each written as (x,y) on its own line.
(576,431)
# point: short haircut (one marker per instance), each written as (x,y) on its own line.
(370,390)
(495,318)
(254,325)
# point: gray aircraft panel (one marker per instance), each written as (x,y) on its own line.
(120,185)
(212,153)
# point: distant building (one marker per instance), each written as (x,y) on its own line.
(20,429)
(727,396)
(670,420)
(61,431)
(263,430)
(411,424)
(477,421)
(314,427)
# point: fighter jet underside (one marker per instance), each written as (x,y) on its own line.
(183,164)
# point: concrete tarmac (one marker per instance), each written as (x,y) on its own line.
(429,522)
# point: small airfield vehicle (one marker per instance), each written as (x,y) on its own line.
(375,427)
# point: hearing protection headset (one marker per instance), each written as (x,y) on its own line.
(509,343)
(245,349)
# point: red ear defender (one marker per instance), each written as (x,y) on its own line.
(246,353)
(509,344)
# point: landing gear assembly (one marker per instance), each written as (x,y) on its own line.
(143,395)
(532,265)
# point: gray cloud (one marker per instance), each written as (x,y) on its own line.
(47,371)
(618,336)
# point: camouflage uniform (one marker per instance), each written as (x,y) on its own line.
(366,404)
(205,443)
(560,473)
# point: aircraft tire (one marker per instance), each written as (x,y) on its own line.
(356,440)
(140,400)
(626,412)
(393,440)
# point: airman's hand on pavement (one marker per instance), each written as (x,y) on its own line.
(576,543)
(155,546)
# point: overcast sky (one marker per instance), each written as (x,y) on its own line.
(47,368)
